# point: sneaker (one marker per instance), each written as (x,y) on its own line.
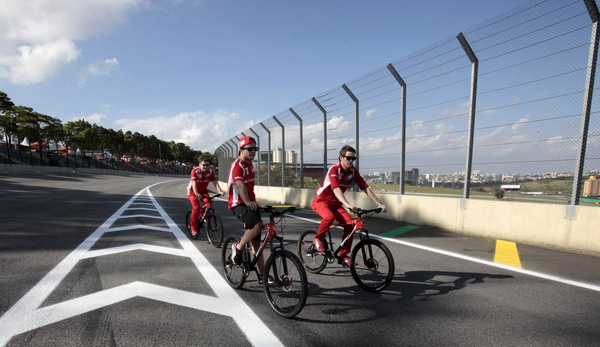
(346,261)
(194,232)
(270,280)
(319,245)
(236,254)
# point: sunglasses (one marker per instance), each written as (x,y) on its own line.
(205,164)
(350,158)
(250,149)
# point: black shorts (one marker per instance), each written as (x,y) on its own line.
(249,217)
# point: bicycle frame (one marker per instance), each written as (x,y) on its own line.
(207,208)
(269,239)
(271,234)
(358,227)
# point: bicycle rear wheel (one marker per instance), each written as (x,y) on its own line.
(312,260)
(374,269)
(288,287)
(235,275)
(214,230)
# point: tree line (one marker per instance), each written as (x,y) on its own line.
(23,122)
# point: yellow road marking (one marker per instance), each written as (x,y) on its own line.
(507,254)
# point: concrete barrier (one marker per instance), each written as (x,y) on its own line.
(569,228)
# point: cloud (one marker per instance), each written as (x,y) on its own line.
(39,36)
(519,123)
(94,118)
(100,68)
(370,112)
(199,130)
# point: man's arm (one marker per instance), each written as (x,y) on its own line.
(253,205)
(195,187)
(340,196)
(218,188)
(373,197)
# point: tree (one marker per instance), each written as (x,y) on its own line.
(7,122)
(499,193)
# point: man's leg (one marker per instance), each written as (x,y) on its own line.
(253,227)
(323,210)
(195,213)
(342,216)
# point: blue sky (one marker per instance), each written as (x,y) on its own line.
(201,71)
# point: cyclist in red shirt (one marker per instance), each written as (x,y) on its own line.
(242,200)
(197,189)
(330,201)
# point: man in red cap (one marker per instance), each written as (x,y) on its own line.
(242,200)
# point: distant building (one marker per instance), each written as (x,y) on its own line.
(291,157)
(412,176)
(591,187)
(511,188)
(265,156)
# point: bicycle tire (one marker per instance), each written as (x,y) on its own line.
(214,230)
(288,290)
(372,265)
(234,274)
(188,225)
(312,261)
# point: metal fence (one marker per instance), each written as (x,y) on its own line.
(506,104)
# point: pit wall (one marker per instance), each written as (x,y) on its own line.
(569,228)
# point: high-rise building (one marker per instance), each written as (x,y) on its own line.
(591,187)
(291,157)
(412,176)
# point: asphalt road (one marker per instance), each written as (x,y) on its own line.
(104,260)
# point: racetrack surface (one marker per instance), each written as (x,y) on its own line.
(104,260)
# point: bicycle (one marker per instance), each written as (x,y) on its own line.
(375,268)
(214,226)
(284,280)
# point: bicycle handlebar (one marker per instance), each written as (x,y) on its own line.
(271,210)
(361,212)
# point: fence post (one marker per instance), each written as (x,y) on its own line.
(324,134)
(356,121)
(403,126)
(258,161)
(236,150)
(219,154)
(282,151)
(587,101)
(474,72)
(301,148)
(268,154)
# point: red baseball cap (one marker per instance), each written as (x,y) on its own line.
(246,140)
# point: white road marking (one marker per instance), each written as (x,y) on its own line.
(27,314)
(476,260)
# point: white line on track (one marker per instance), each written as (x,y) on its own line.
(27,315)
(480,261)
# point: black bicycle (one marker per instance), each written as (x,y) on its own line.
(284,280)
(214,226)
(372,263)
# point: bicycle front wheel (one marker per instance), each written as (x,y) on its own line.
(372,265)
(188,223)
(312,260)
(234,274)
(285,283)
(214,230)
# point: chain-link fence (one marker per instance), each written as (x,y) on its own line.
(503,109)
